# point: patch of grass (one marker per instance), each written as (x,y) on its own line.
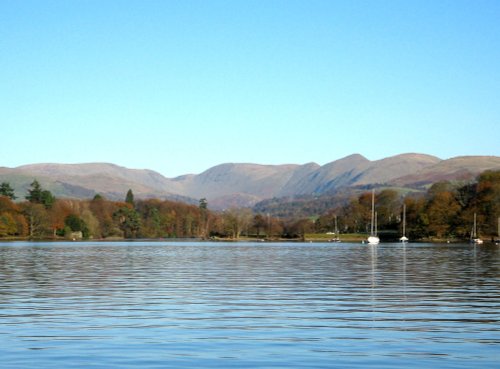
(344,237)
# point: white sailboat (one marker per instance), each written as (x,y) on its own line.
(404,238)
(474,238)
(373,239)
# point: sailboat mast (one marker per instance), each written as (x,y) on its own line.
(373,239)
(404,220)
(373,211)
(474,228)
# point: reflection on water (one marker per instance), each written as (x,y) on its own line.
(160,305)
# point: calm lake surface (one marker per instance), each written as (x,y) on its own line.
(248,305)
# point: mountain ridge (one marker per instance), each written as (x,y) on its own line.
(245,184)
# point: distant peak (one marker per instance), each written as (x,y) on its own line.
(354,157)
(311,164)
(413,157)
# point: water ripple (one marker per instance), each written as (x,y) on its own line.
(161,305)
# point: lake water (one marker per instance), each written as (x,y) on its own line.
(248,305)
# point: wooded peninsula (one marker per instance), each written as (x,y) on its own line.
(444,212)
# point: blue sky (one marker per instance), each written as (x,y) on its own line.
(180,86)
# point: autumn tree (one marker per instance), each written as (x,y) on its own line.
(91,222)
(236,221)
(416,218)
(388,209)
(8,212)
(276,227)
(330,222)
(203,206)
(103,211)
(488,200)
(8,226)
(37,220)
(7,205)
(442,210)
(300,227)
(356,214)
(57,214)
(259,224)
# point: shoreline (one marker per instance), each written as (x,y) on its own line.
(349,239)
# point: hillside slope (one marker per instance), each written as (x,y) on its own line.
(245,184)
(458,168)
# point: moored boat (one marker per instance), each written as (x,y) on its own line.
(373,238)
(403,237)
(474,237)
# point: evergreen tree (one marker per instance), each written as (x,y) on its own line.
(48,199)
(129,199)
(76,224)
(6,190)
(129,221)
(37,195)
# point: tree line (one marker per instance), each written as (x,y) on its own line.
(43,216)
(445,211)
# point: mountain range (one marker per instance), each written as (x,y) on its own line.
(245,184)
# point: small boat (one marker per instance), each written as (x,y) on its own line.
(404,238)
(474,238)
(373,239)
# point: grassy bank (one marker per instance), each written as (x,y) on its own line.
(344,237)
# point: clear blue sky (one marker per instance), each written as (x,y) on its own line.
(180,86)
